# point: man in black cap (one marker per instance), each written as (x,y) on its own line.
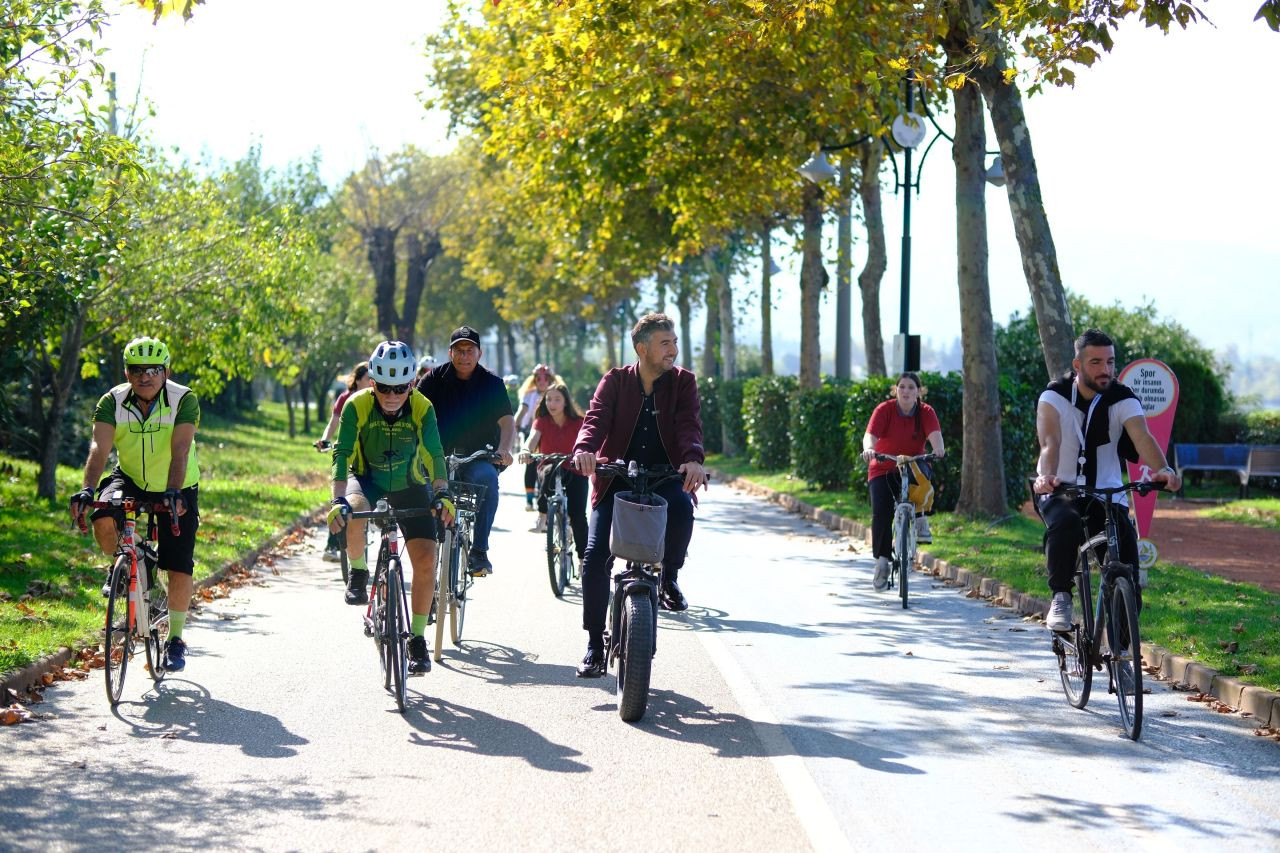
(472,412)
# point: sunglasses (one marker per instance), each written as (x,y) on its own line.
(144,370)
(391,389)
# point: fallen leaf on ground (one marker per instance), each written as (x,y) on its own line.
(15,713)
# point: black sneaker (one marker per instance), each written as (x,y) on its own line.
(478,564)
(419,656)
(175,655)
(106,584)
(671,598)
(593,664)
(357,583)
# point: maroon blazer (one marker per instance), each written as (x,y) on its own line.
(615,408)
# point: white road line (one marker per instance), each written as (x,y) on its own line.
(810,806)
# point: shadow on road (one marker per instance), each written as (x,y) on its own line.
(176,708)
(1130,818)
(446,725)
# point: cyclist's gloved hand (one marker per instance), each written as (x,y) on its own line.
(321,444)
(79,502)
(176,503)
(337,516)
(444,506)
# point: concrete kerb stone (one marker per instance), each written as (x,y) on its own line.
(1262,704)
(16,685)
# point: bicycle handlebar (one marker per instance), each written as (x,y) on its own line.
(484,453)
(904,460)
(1074,490)
(541,459)
(639,476)
(131,505)
(391,513)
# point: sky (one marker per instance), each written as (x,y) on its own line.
(1154,169)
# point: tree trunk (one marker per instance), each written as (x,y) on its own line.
(422,250)
(512,358)
(872,153)
(381,244)
(766,300)
(661,284)
(714,262)
(1030,223)
(812,278)
(288,407)
(610,347)
(686,323)
(982,468)
(537,346)
(62,382)
(304,397)
(844,267)
(711,333)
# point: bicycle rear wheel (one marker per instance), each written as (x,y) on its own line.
(555,544)
(397,657)
(1074,651)
(635,658)
(460,582)
(444,587)
(566,550)
(903,547)
(1125,662)
(158,619)
(380,608)
(118,632)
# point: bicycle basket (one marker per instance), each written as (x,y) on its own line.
(639,529)
(466,496)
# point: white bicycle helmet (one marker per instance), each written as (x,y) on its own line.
(392,363)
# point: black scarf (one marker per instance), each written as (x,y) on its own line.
(1099,433)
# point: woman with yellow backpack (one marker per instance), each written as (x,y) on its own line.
(899,426)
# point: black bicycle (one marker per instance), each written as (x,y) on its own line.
(561,566)
(631,640)
(386,619)
(904,524)
(1107,632)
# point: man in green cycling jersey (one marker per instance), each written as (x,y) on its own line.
(389,446)
(151,421)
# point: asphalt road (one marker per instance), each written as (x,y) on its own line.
(791,709)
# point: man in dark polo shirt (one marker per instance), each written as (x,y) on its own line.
(472,412)
(646,412)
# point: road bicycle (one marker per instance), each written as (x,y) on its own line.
(631,640)
(904,524)
(1106,634)
(454,580)
(137,604)
(561,566)
(386,619)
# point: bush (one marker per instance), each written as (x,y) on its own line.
(819,447)
(863,397)
(729,403)
(1261,427)
(766,418)
(709,398)
(1018,437)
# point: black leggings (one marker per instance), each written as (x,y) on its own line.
(575,492)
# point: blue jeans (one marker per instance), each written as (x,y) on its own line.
(596,563)
(482,473)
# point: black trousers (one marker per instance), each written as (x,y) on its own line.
(884,495)
(598,560)
(1064,535)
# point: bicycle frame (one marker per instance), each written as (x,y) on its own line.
(903,527)
(557,516)
(452,579)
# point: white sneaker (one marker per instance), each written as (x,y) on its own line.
(881,580)
(923,535)
(331,555)
(1059,616)
(540,526)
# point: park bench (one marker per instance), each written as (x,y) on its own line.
(1263,461)
(1211,457)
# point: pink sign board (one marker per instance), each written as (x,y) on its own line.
(1157,388)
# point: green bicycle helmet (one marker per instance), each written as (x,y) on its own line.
(146,350)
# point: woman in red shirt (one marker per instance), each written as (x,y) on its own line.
(555,430)
(898,427)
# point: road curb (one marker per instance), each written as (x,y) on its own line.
(1184,673)
(15,685)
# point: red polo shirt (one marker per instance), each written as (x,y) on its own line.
(898,434)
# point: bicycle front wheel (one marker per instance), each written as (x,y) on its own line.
(635,658)
(158,619)
(1126,656)
(904,547)
(444,587)
(460,582)
(555,544)
(379,623)
(1074,649)
(118,634)
(397,658)
(566,551)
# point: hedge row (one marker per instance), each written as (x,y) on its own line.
(817,432)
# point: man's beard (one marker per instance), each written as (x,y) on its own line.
(1095,386)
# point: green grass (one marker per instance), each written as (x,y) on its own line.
(1189,612)
(254,480)
(1258,512)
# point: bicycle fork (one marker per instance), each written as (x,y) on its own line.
(631,581)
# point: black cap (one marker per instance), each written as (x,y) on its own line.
(464,333)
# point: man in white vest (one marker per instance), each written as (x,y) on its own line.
(151,421)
